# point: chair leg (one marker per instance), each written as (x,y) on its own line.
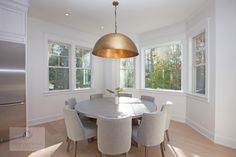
(164,144)
(126,154)
(67,139)
(167,135)
(102,155)
(68,145)
(76,148)
(146,151)
(162,150)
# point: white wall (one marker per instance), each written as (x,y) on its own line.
(225,126)
(200,110)
(42,105)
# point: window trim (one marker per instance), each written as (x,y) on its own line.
(160,44)
(73,43)
(194,33)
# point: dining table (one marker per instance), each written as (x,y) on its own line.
(107,107)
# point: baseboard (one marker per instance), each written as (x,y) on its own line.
(44,120)
(203,131)
(225,141)
(178,119)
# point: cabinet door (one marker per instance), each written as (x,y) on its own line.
(12,22)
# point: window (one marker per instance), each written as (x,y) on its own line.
(163,66)
(83,67)
(127,73)
(199,64)
(58,65)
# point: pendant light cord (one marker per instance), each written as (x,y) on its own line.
(115,3)
(115,20)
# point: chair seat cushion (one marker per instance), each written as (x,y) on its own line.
(90,129)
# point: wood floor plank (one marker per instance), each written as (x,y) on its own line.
(184,142)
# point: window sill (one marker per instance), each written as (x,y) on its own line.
(64,92)
(199,97)
(163,91)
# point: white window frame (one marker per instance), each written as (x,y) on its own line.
(72,62)
(75,68)
(203,26)
(135,80)
(194,66)
(160,44)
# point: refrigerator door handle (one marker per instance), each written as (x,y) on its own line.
(13,104)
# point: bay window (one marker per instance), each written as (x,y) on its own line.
(163,66)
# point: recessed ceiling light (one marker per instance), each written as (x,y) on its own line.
(67,14)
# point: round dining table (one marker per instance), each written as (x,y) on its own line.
(106,107)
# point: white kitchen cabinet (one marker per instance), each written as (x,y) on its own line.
(13,17)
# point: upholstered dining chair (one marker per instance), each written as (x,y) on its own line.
(151,130)
(114,135)
(76,130)
(148,98)
(125,95)
(168,108)
(96,96)
(70,103)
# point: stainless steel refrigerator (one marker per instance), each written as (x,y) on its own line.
(12,89)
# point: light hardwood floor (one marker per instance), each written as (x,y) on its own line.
(185,142)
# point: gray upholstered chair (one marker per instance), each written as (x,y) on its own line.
(76,130)
(168,109)
(148,98)
(151,130)
(114,135)
(96,96)
(125,95)
(70,103)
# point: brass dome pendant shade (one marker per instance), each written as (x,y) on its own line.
(115,45)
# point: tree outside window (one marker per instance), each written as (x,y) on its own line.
(163,66)
(83,67)
(58,65)
(127,73)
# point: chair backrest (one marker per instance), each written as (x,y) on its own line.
(168,109)
(71,103)
(96,96)
(46,152)
(148,98)
(152,128)
(74,126)
(114,135)
(125,95)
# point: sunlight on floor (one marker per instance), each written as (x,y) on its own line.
(46,152)
(177,152)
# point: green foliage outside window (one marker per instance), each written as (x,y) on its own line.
(163,67)
(127,73)
(83,67)
(58,65)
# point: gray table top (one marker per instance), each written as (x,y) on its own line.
(106,107)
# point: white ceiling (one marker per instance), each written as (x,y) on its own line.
(134,16)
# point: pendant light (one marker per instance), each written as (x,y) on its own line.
(115,45)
